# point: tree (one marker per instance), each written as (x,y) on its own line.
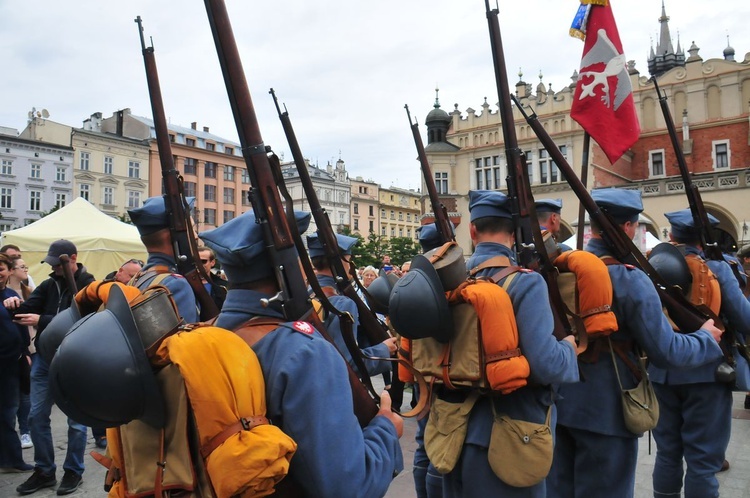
(403,249)
(359,251)
(377,246)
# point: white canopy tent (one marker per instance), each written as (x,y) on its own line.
(103,242)
(649,239)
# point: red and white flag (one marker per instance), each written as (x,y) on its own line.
(603,100)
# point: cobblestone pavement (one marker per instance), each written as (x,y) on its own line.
(735,483)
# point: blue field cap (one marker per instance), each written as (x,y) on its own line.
(484,203)
(682,223)
(315,245)
(622,205)
(548,205)
(241,249)
(429,237)
(152,216)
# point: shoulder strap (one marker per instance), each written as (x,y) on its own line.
(494,262)
(154,272)
(257,328)
(610,260)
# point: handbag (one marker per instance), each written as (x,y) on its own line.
(640,408)
(520,452)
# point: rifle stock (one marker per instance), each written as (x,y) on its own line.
(375,331)
(685,315)
(180,227)
(265,197)
(442,223)
(530,245)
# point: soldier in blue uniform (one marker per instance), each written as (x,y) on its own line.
(695,410)
(345,304)
(153,226)
(307,390)
(551,361)
(595,454)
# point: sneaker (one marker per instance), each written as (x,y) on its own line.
(101,442)
(21,467)
(26,441)
(69,483)
(724,466)
(36,481)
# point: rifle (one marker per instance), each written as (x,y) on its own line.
(180,225)
(70,280)
(442,223)
(531,248)
(374,329)
(278,226)
(700,216)
(685,315)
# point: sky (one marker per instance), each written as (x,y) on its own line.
(345,69)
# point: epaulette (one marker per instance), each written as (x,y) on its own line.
(629,267)
(525,270)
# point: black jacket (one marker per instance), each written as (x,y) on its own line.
(52,296)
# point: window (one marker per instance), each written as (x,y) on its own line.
(209,170)
(342,218)
(209,192)
(61,174)
(362,190)
(189,189)
(356,223)
(372,211)
(108,196)
(408,216)
(400,216)
(209,216)
(721,154)
(228,215)
(134,169)
(393,231)
(400,232)
(109,162)
(85,156)
(382,213)
(245,176)
(372,226)
(356,208)
(190,166)
(245,198)
(6,168)
(656,162)
(190,142)
(487,173)
(391,198)
(84,191)
(229,173)
(6,197)
(35,200)
(548,171)
(134,199)
(393,215)
(382,231)
(61,200)
(36,171)
(210,146)
(228,195)
(441,182)
(229,150)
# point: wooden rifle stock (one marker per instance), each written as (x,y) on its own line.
(180,227)
(441,214)
(530,245)
(70,280)
(685,315)
(697,208)
(264,194)
(375,330)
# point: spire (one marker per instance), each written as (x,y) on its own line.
(664,57)
(665,40)
(437,101)
(729,51)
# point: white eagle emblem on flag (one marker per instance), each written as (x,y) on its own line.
(604,51)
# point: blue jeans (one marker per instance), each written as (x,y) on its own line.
(24,406)
(41,431)
(10,445)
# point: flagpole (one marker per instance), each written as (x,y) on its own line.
(584,179)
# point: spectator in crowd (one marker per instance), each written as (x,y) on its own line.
(16,281)
(217,286)
(14,339)
(13,251)
(126,272)
(368,275)
(50,298)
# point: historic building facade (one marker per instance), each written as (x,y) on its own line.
(365,212)
(35,176)
(400,211)
(708,99)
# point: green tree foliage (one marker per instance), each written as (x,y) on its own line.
(403,249)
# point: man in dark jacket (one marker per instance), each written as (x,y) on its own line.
(50,298)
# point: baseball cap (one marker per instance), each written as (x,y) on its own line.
(57,249)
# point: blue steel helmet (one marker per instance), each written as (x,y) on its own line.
(101,375)
(54,333)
